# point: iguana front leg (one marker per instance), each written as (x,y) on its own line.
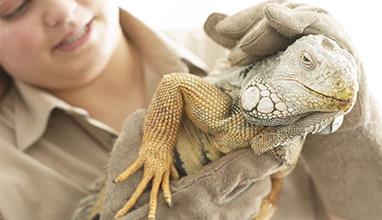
(204,104)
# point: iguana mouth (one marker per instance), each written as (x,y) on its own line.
(336,99)
(324,95)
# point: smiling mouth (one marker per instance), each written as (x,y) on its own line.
(75,38)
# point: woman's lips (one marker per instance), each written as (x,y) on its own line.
(75,39)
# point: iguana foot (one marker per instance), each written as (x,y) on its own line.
(158,167)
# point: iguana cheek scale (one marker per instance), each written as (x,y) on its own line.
(279,101)
(264,102)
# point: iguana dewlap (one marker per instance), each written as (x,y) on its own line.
(270,107)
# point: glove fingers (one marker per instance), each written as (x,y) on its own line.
(237,25)
(263,40)
(305,20)
(260,42)
(303,7)
(288,22)
(210,29)
(328,26)
(238,58)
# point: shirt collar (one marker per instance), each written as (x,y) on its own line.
(33,111)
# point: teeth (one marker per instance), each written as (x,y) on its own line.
(75,36)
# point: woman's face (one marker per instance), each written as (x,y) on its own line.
(57,44)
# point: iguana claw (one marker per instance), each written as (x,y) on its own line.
(157,168)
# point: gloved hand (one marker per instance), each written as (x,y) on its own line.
(344,166)
(269,27)
(229,188)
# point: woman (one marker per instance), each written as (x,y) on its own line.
(78,69)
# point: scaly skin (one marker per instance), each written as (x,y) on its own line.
(271,107)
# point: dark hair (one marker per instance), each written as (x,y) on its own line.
(5,82)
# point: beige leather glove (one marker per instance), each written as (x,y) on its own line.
(229,188)
(345,166)
(269,27)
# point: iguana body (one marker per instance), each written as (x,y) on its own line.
(269,107)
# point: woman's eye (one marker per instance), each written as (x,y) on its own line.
(307,60)
(18,11)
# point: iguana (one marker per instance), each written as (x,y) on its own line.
(269,106)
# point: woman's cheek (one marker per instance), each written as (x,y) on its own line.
(22,50)
(28,42)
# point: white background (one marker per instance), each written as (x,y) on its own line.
(361,19)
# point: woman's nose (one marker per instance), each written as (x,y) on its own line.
(58,12)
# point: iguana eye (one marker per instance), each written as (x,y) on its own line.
(307,60)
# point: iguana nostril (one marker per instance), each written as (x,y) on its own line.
(339,83)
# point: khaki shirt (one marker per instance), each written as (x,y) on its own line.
(53,152)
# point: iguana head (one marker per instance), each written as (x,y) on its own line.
(313,75)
